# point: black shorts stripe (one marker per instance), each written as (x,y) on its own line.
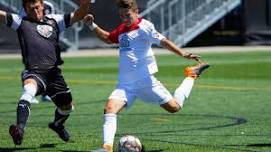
(58,93)
(37,78)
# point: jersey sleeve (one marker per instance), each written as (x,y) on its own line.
(114,36)
(13,21)
(152,35)
(63,21)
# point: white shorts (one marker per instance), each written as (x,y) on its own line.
(149,90)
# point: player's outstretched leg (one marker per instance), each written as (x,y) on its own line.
(58,125)
(23,112)
(191,73)
(17,131)
(109,131)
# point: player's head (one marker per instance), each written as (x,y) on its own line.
(128,11)
(34,9)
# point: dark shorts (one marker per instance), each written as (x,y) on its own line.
(50,82)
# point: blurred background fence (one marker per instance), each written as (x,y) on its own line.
(186,22)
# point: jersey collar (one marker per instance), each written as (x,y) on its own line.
(133,26)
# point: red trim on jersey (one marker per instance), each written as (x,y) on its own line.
(114,35)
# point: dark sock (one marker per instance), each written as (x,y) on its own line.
(23,111)
(60,119)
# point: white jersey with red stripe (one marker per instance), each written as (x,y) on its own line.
(137,59)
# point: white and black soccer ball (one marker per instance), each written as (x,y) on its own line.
(129,143)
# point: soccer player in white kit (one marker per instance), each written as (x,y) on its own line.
(137,65)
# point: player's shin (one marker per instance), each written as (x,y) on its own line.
(58,125)
(23,112)
(24,105)
(183,91)
(29,92)
(109,130)
(61,116)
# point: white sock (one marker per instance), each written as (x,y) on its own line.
(29,92)
(109,128)
(183,91)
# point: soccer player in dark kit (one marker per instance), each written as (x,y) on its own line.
(38,36)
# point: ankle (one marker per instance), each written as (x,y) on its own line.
(108,147)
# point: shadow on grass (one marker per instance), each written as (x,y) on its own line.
(53,145)
(234,121)
(73,151)
(43,146)
(160,150)
(15,149)
(48,145)
(259,145)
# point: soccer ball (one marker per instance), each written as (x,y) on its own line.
(129,143)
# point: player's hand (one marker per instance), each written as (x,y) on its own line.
(192,57)
(88,19)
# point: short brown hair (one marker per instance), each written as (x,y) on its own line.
(31,1)
(130,4)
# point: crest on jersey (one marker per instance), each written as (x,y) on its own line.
(45,30)
(124,41)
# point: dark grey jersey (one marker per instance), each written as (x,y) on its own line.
(39,40)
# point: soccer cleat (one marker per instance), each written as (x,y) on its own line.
(17,134)
(106,148)
(195,71)
(60,130)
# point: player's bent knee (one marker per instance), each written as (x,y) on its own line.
(174,110)
(66,109)
(114,106)
(171,107)
(62,101)
(108,109)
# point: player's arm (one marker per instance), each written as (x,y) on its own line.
(3,16)
(166,43)
(11,20)
(101,34)
(81,12)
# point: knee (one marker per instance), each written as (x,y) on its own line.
(171,106)
(174,109)
(113,106)
(66,109)
(109,108)
(29,91)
